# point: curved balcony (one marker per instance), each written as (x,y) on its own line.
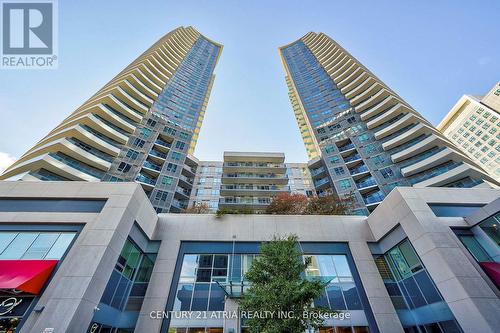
(349,82)
(387,115)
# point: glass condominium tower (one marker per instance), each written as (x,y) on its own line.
(141,126)
(363,139)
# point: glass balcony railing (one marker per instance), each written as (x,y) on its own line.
(157,154)
(91,150)
(374,197)
(421,156)
(152,166)
(321,182)
(359,169)
(145,179)
(436,171)
(254,165)
(179,204)
(163,143)
(366,183)
(183,191)
(118,114)
(351,158)
(255,175)
(80,166)
(346,147)
(318,171)
(246,201)
(101,136)
(255,188)
(186,179)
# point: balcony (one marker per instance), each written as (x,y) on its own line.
(186,181)
(245,202)
(181,193)
(359,172)
(147,182)
(157,155)
(366,185)
(254,167)
(252,190)
(321,171)
(346,147)
(322,183)
(162,145)
(254,178)
(373,199)
(352,160)
(151,168)
(178,206)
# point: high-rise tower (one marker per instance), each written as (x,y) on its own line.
(361,137)
(141,126)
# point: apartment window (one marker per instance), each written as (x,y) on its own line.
(180,145)
(124,167)
(166,180)
(339,171)
(138,142)
(372,147)
(161,195)
(170,131)
(132,154)
(176,155)
(329,149)
(145,132)
(171,167)
(151,123)
(345,184)
(334,159)
(363,137)
(387,172)
(184,136)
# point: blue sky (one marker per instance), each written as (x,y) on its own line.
(430,52)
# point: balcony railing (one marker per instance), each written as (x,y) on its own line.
(436,171)
(255,188)
(374,197)
(157,154)
(254,175)
(351,158)
(246,201)
(145,179)
(346,147)
(366,183)
(316,172)
(359,169)
(186,179)
(254,165)
(163,143)
(80,166)
(152,166)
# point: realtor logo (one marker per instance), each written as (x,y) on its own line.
(29,34)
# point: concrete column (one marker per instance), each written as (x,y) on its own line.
(231,325)
(159,286)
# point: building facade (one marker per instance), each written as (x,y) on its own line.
(141,126)
(363,139)
(251,180)
(102,260)
(207,183)
(473,125)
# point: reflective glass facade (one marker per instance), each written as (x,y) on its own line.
(122,299)
(353,162)
(156,155)
(419,305)
(204,280)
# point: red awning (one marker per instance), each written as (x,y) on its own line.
(492,269)
(25,275)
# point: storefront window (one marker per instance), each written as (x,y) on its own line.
(34,245)
(491,227)
(413,293)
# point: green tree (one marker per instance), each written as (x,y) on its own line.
(277,284)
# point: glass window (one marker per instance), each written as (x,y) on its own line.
(200,297)
(60,246)
(40,246)
(5,239)
(335,296)
(19,245)
(490,227)
(341,266)
(454,210)
(351,296)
